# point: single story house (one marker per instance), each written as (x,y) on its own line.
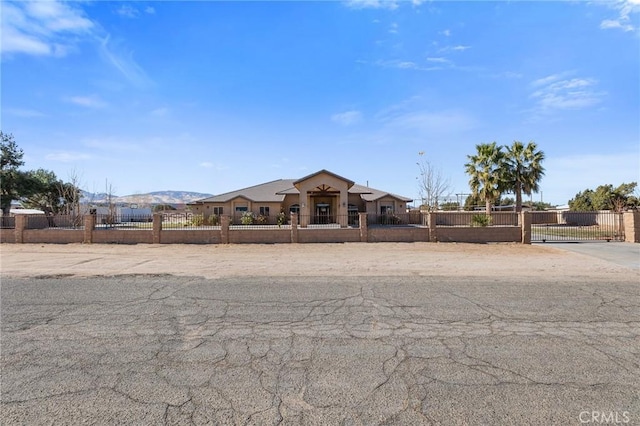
(321,197)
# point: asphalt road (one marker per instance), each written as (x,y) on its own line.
(325,351)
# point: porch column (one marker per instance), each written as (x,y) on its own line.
(305,209)
(343,206)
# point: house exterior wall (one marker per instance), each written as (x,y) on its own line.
(310,184)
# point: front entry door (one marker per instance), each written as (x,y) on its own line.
(323,213)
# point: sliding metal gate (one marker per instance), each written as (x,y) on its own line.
(577,226)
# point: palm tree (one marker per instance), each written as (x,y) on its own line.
(487,173)
(524,169)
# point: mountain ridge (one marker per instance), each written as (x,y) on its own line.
(155,197)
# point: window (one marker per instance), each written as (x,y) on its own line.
(264,211)
(241,209)
(295,208)
(217,211)
(386,209)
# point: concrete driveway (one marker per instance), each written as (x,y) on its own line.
(625,254)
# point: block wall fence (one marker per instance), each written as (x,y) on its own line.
(225,234)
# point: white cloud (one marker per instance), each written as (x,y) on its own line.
(206,165)
(127,11)
(45,28)
(23,112)
(123,61)
(372,4)
(439,60)
(393,28)
(431,122)
(67,156)
(556,92)
(149,10)
(347,118)
(446,33)
(87,101)
(624,21)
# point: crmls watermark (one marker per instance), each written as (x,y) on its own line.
(604,417)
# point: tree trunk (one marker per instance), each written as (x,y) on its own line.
(518,197)
(488,205)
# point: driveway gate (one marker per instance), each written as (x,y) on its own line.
(577,226)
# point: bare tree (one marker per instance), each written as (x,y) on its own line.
(433,186)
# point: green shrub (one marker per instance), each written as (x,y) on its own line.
(281,219)
(197,220)
(480,220)
(247,218)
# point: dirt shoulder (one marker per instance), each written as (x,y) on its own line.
(351,259)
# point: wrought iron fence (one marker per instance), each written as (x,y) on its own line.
(477,219)
(65,221)
(329,221)
(578,226)
(187,220)
(7,222)
(124,221)
(397,219)
(250,220)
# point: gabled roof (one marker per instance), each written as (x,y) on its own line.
(372,194)
(275,191)
(350,183)
(269,192)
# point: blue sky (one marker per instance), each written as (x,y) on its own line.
(215,96)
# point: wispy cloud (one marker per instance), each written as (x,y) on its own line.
(623,21)
(557,92)
(23,112)
(67,156)
(123,61)
(87,101)
(446,33)
(393,29)
(405,65)
(431,122)
(43,28)
(372,4)
(347,118)
(128,11)
(206,165)
(439,60)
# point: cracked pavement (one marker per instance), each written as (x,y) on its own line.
(326,334)
(416,350)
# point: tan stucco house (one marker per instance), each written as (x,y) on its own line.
(321,197)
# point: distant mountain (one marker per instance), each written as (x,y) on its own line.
(157,197)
